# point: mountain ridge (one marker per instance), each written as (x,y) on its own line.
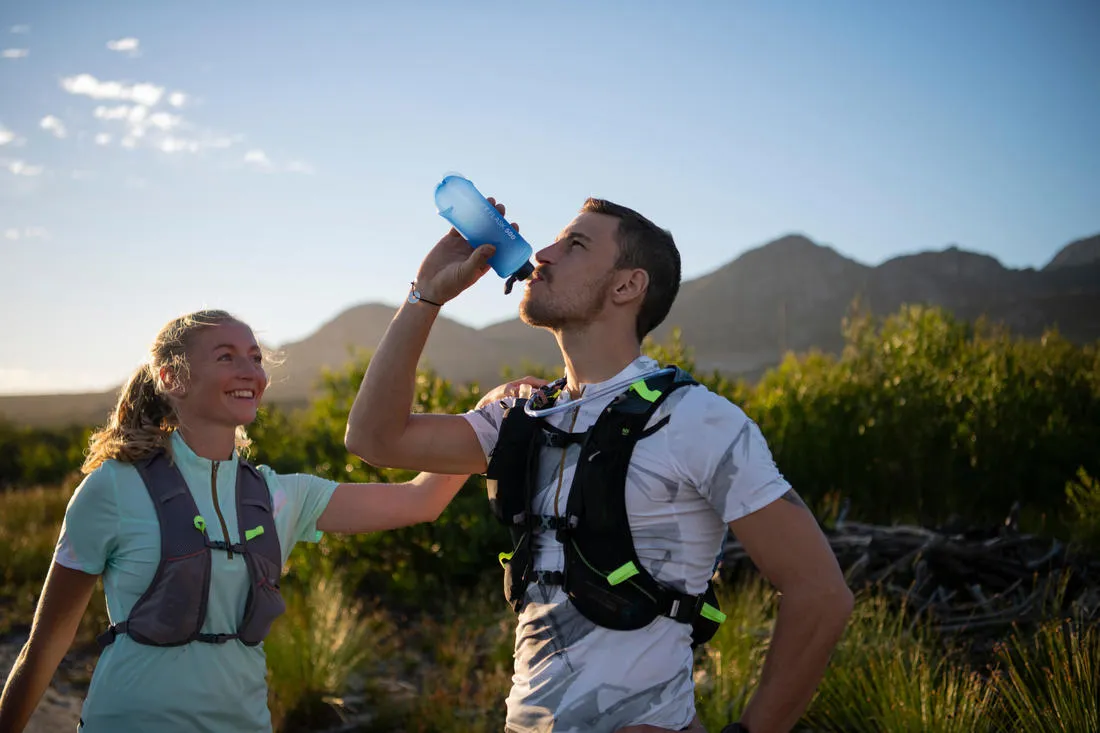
(788,294)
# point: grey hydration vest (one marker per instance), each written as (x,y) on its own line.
(172,610)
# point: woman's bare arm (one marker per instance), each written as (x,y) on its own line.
(64,599)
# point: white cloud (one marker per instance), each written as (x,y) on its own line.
(53,125)
(163,120)
(177,145)
(15,53)
(146,94)
(87,85)
(127,45)
(20,29)
(20,168)
(298,166)
(120,112)
(221,142)
(15,233)
(258,158)
(135,122)
(6,135)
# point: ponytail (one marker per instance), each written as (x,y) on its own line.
(141,423)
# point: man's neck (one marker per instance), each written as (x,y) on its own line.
(595,355)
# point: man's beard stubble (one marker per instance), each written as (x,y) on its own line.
(558,316)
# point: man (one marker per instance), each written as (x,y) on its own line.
(702,466)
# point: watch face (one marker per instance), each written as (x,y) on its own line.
(414,296)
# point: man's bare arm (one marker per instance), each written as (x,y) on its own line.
(784,541)
(381,429)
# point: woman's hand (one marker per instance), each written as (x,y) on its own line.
(522,387)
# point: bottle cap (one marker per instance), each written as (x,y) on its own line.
(522,273)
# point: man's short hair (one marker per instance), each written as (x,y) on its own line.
(644,245)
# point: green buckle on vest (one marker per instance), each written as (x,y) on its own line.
(710,612)
(200,523)
(252,533)
(504,557)
(626,571)
(643,390)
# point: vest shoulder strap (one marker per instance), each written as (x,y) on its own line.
(646,395)
(255,516)
(177,513)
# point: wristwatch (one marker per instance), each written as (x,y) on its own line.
(416,297)
(735,728)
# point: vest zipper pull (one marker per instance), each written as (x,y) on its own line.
(218,508)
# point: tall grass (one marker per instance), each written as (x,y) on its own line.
(449,668)
(884,678)
(727,668)
(886,675)
(316,648)
(1051,679)
(466,673)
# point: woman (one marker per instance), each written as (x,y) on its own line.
(202,383)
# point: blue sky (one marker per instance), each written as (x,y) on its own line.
(283,160)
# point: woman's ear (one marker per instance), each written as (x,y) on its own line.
(173,385)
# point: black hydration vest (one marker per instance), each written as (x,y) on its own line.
(603,577)
(172,610)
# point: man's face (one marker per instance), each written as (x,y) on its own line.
(574,275)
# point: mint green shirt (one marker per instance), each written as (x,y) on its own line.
(111,529)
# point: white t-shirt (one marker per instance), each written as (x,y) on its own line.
(708,466)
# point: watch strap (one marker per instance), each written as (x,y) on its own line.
(416,297)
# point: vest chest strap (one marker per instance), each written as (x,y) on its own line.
(221,545)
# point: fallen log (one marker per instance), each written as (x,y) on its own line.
(977,582)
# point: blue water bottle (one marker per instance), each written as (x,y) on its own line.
(480,223)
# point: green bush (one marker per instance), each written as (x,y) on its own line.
(39,456)
(30,521)
(927,418)
(1083,497)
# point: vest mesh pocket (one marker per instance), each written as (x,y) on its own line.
(265,602)
(172,611)
(623,607)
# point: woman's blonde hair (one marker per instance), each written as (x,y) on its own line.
(144,419)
